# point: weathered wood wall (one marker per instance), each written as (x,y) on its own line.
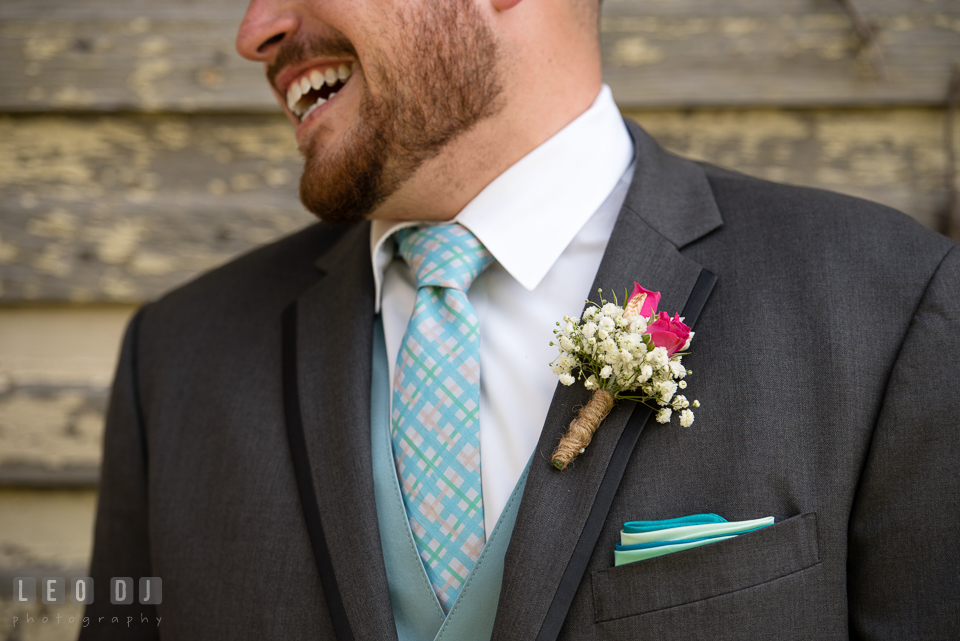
(177,55)
(137,149)
(119,208)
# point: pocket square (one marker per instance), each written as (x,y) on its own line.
(641,540)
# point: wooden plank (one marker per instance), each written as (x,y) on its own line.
(56,365)
(179,56)
(892,156)
(51,436)
(60,347)
(28,475)
(763,56)
(44,529)
(122,208)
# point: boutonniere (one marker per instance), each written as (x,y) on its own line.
(622,352)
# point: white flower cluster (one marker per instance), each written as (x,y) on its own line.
(613,352)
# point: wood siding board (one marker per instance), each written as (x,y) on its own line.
(51,435)
(65,55)
(122,208)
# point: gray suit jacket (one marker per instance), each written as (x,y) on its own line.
(826,361)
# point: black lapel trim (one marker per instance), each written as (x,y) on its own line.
(573,575)
(308,498)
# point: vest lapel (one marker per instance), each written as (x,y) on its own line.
(668,206)
(331,345)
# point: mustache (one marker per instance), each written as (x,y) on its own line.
(299,48)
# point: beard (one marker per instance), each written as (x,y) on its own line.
(442,80)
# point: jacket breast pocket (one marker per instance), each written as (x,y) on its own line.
(708,571)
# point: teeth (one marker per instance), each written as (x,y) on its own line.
(315,81)
(293,95)
(310,109)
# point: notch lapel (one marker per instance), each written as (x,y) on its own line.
(333,360)
(669,205)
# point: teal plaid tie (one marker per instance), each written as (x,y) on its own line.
(436,403)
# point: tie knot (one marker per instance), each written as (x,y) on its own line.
(443,255)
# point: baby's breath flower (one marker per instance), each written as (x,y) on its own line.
(645,373)
(676,369)
(667,390)
(658,356)
(637,325)
(696,403)
(611,352)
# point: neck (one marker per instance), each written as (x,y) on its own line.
(544,89)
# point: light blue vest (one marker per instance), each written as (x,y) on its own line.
(415,607)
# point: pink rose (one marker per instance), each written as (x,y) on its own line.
(668,332)
(642,302)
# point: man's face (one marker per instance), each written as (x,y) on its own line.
(376,88)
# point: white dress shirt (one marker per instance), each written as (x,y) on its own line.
(546,220)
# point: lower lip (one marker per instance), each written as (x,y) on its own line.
(322,108)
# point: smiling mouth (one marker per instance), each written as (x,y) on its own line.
(316,86)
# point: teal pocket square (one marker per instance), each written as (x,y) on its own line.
(640,540)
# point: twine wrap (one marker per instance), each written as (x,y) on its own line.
(582,428)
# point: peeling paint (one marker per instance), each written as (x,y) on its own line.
(119,242)
(152,264)
(126,207)
(8,252)
(44,47)
(153,46)
(58,223)
(142,81)
(635,52)
(53,261)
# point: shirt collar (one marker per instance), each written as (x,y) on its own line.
(528,214)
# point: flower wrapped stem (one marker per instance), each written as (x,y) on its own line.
(582,428)
(628,352)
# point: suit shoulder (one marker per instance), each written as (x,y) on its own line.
(252,286)
(787,214)
(785,243)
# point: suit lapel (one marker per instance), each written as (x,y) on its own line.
(334,326)
(669,205)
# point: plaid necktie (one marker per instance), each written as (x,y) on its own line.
(436,403)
